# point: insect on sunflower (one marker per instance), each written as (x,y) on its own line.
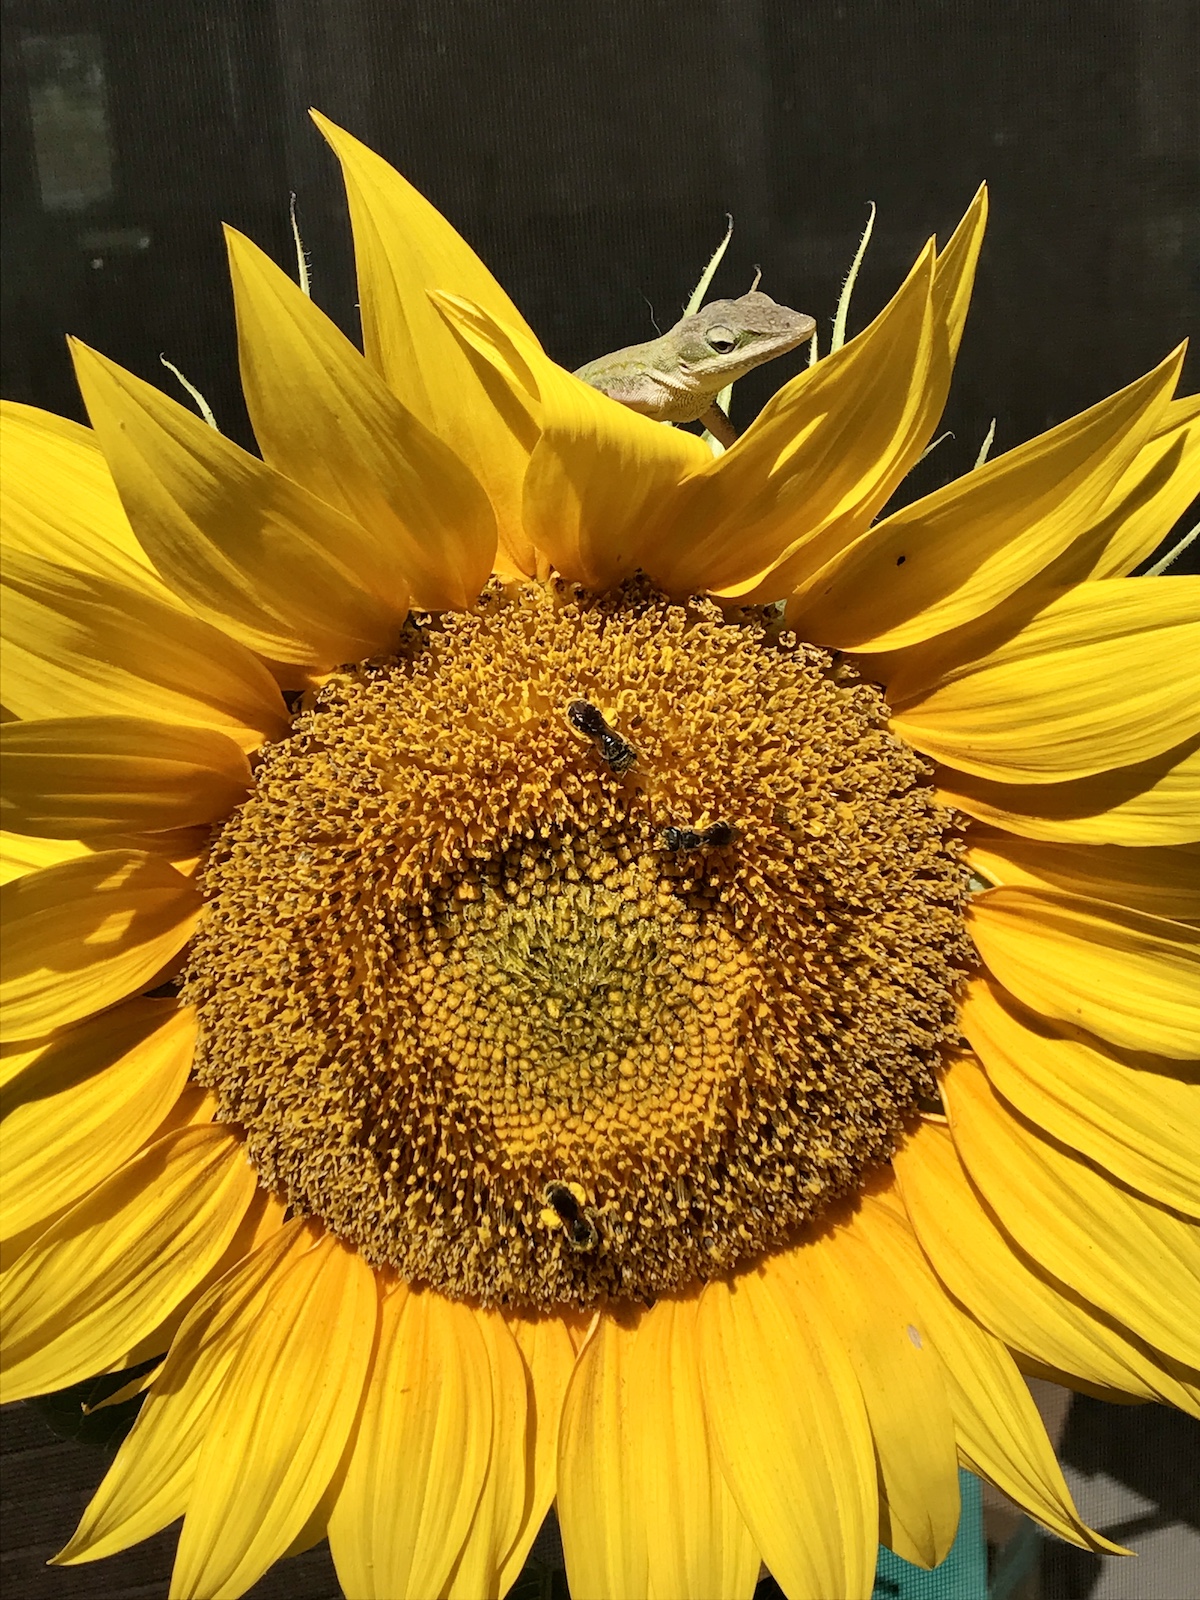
(698,1109)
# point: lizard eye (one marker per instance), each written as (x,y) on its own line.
(721,340)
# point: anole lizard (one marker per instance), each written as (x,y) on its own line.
(677,378)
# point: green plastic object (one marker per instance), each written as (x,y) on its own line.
(961,1576)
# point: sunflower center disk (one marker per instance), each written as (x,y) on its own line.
(586,947)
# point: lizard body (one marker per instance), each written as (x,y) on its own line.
(678,376)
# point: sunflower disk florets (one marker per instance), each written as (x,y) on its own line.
(688,957)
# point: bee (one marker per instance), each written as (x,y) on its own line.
(578,1224)
(619,754)
(710,838)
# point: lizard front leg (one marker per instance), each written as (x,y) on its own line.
(719,425)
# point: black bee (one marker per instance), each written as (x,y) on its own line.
(619,754)
(581,1230)
(688,839)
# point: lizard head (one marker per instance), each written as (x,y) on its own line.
(728,338)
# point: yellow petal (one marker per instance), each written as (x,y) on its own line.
(96,1096)
(953,280)
(79,645)
(950,294)
(249,550)
(1148,498)
(82,935)
(21,853)
(352,443)
(194,1108)
(317,1526)
(1164,882)
(70,777)
(1000,1435)
(1123,1111)
(150,1480)
(599,481)
(1155,802)
(815,465)
(643,1506)
(600,476)
(1102,677)
(115,1264)
(1151,494)
(789,1428)
(263,1218)
(58,501)
(17,1057)
(404,250)
(279,1423)
(1016,1298)
(184,848)
(127,1391)
(427,1421)
(898,1370)
(549,1356)
(956,553)
(1130,978)
(495,345)
(501,1515)
(604,1538)
(1113,1248)
(505,362)
(1158,484)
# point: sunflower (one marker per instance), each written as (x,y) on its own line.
(544,964)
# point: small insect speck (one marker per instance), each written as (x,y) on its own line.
(617,752)
(711,838)
(579,1224)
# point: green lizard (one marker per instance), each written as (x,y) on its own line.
(677,378)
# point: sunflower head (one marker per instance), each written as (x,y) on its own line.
(599,972)
(466,940)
